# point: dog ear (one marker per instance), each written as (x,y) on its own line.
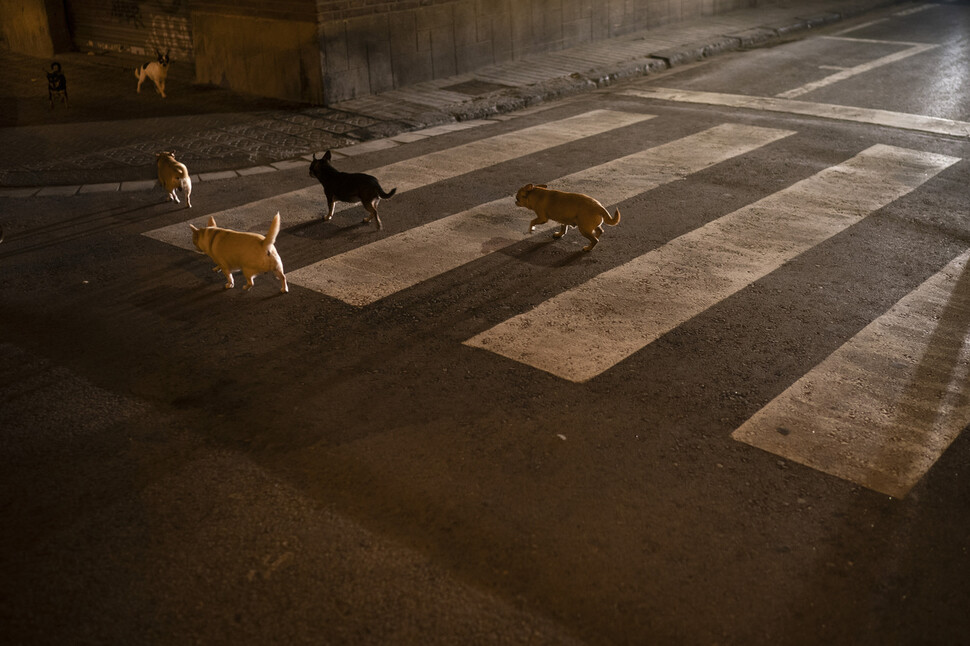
(192,226)
(315,157)
(212,222)
(327,156)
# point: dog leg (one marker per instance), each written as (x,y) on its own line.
(249,281)
(173,196)
(230,283)
(372,209)
(593,238)
(537,220)
(331,206)
(282,278)
(160,88)
(561,232)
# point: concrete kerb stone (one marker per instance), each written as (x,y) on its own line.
(254,170)
(30,191)
(754,37)
(602,77)
(58,191)
(822,19)
(697,51)
(217,175)
(109,187)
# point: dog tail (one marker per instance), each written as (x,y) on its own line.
(615,220)
(384,195)
(274,230)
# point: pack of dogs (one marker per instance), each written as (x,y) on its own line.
(254,254)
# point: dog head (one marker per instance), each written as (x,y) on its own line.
(523,193)
(199,238)
(317,165)
(55,78)
(166,155)
(162,58)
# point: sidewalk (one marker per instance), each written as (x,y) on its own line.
(106,139)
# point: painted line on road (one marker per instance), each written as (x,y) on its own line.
(912,50)
(372,272)
(586,330)
(901,120)
(882,409)
(307,204)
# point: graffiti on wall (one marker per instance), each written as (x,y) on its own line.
(172,34)
(128,12)
(165,23)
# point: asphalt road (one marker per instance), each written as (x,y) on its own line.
(775,454)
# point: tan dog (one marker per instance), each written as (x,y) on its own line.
(238,250)
(173,175)
(569,209)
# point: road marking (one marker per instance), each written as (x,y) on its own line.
(372,272)
(883,408)
(909,12)
(912,50)
(583,332)
(861,26)
(307,204)
(902,120)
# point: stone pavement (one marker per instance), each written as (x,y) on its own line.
(105,140)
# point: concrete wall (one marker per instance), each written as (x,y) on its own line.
(34,27)
(258,55)
(370,47)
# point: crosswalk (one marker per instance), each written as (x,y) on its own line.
(584,331)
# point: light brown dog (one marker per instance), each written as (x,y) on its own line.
(569,209)
(240,250)
(173,175)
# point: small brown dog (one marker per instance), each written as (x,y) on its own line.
(569,209)
(252,253)
(173,175)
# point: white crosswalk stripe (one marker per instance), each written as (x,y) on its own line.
(881,409)
(918,122)
(375,271)
(306,204)
(590,328)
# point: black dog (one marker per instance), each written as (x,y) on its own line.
(348,187)
(56,84)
